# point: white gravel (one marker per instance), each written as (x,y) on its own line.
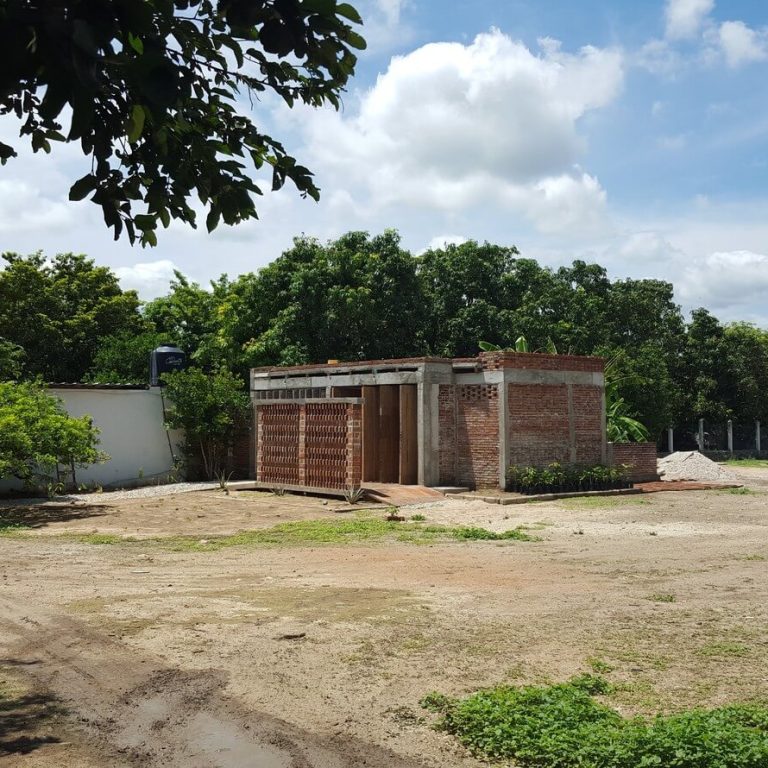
(692,465)
(145,492)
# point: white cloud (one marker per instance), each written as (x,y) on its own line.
(450,126)
(149,279)
(383,23)
(741,44)
(649,247)
(25,208)
(673,143)
(440,241)
(725,281)
(685,18)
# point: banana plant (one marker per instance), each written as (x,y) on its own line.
(521,345)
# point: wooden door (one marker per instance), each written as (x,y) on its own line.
(370,434)
(389,433)
(409,471)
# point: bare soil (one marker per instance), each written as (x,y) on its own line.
(317,655)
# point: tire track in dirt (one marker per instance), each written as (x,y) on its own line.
(135,711)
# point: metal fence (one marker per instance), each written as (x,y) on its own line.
(716,437)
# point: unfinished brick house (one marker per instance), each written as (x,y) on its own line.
(431,421)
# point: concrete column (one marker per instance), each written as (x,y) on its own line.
(701,434)
(730,436)
(757,435)
(670,439)
(503,434)
(428,431)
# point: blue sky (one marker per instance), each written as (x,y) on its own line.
(634,134)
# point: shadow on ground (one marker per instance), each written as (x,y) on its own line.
(24,718)
(38,516)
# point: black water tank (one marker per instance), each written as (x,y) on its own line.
(165,359)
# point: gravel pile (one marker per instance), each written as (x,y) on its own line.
(694,466)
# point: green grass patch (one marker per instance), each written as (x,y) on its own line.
(742,491)
(662,597)
(724,649)
(564,726)
(308,532)
(599,666)
(11,527)
(746,462)
(603,502)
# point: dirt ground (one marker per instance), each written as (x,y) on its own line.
(133,654)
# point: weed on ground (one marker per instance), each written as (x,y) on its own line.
(565,726)
(304,532)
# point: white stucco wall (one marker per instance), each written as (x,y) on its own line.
(131,432)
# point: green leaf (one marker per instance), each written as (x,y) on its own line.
(323,7)
(135,125)
(348,12)
(82,187)
(356,41)
(136,43)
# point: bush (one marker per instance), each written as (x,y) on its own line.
(556,478)
(210,409)
(37,434)
(562,726)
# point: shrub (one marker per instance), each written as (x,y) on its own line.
(556,478)
(562,726)
(37,434)
(210,408)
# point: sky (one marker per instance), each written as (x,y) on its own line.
(633,134)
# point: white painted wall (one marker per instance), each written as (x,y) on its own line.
(131,432)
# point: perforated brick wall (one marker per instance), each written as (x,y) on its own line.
(313,445)
(537,424)
(477,435)
(640,457)
(277,453)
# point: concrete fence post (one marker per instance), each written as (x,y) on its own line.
(730,436)
(701,435)
(670,439)
(757,436)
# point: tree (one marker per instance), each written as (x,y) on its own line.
(11,360)
(153,90)
(58,310)
(469,291)
(354,298)
(36,433)
(210,408)
(124,357)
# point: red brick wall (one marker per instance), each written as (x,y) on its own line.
(447,428)
(477,435)
(640,457)
(588,423)
(537,425)
(315,445)
(493,361)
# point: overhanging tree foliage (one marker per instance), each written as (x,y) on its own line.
(155,92)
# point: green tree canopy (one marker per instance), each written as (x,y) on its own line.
(58,310)
(155,92)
